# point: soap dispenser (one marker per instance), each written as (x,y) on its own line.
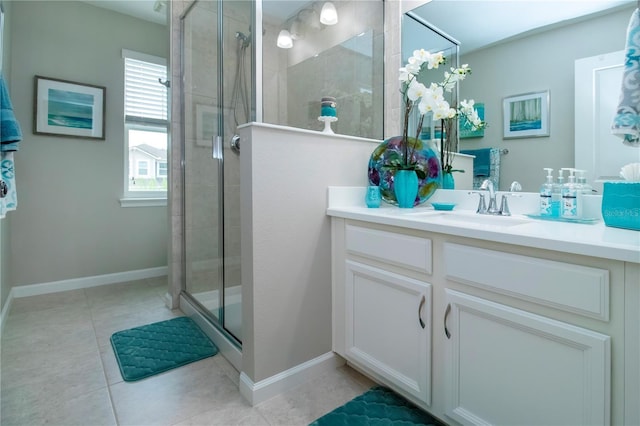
(556,194)
(583,189)
(545,194)
(570,197)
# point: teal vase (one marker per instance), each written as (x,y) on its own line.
(405,188)
(447,181)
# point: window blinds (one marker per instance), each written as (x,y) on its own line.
(145,99)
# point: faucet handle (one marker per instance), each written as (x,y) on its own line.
(515,186)
(504,205)
(482,207)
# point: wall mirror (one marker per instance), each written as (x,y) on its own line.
(512,49)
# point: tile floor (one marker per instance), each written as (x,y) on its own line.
(57,368)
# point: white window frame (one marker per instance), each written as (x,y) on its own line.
(142,198)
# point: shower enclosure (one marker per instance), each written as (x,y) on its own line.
(216,76)
(231,72)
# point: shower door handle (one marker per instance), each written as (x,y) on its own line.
(216,151)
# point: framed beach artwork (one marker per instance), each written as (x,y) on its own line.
(526,115)
(66,108)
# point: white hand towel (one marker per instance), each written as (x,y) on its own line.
(626,122)
(7,175)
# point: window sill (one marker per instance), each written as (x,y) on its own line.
(143,202)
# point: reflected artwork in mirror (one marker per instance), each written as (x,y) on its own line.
(507,61)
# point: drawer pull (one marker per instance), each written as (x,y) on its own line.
(446,314)
(422,301)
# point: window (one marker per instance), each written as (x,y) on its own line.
(162,169)
(145,125)
(143,168)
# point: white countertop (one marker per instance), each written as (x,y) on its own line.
(595,239)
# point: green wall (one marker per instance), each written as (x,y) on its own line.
(69,223)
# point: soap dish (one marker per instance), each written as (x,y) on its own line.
(443,206)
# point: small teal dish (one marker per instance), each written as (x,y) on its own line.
(443,206)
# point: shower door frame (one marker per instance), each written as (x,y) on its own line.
(196,307)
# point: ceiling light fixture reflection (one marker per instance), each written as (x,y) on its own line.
(284,40)
(329,14)
(297,31)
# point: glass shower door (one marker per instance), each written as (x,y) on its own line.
(216,100)
(203,160)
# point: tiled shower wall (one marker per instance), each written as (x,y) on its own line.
(274,92)
(344,61)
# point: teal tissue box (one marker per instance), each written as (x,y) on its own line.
(621,205)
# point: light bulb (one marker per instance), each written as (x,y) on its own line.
(329,14)
(284,40)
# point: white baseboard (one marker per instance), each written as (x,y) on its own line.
(87,282)
(256,393)
(5,311)
(75,284)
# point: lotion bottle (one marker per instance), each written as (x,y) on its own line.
(556,195)
(545,194)
(583,189)
(570,197)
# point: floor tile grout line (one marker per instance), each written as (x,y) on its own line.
(104,370)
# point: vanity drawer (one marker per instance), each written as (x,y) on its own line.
(397,249)
(574,288)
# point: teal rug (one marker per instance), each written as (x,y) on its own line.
(377,407)
(151,349)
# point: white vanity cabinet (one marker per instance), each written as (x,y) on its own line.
(513,335)
(384,324)
(506,366)
(510,366)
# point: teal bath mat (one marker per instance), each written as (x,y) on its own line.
(377,407)
(155,348)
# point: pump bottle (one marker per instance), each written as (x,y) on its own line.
(583,189)
(570,197)
(556,195)
(545,194)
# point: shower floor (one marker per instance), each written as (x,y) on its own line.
(232,309)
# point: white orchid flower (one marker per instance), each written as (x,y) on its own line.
(422,55)
(467,104)
(404,74)
(435,60)
(416,90)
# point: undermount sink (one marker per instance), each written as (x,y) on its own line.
(481,219)
(471,218)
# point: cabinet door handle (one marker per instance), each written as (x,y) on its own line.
(422,301)
(446,314)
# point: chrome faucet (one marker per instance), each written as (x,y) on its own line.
(487,185)
(493,209)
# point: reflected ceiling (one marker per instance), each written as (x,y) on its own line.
(479,23)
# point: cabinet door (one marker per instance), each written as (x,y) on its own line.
(388,327)
(507,366)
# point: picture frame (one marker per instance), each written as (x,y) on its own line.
(526,115)
(69,109)
(465,131)
(206,124)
